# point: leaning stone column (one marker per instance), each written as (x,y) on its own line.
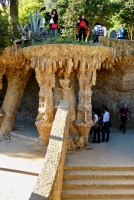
(17,80)
(84,109)
(45,116)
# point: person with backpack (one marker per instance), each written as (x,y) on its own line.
(53,23)
(98,123)
(121,33)
(96,32)
(82,27)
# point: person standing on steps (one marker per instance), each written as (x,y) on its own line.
(105,129)
(124,114)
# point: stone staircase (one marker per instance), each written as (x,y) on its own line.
(83,182)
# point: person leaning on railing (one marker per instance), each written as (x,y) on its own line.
(82,27)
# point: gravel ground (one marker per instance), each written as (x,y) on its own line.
(19,154)
(119,151)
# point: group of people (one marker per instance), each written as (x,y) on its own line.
(102,123)
(82,25)
(98,30)
(83,30)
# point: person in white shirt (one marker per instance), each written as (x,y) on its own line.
(106,119)
(96,32)
(105,30)
(95,120)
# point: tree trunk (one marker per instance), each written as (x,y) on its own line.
(13,10)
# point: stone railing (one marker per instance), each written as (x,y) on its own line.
(49,184)
(120,47)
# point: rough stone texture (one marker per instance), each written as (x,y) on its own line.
(55,66)
(66,72)
(49,184)
(62,72)
(115,87)
(28,108)
(17,81)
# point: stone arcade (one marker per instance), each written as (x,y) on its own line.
(64,72)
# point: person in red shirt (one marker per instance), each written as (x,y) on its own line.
(82,27)
(124,113)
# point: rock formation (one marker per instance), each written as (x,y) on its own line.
(62,72)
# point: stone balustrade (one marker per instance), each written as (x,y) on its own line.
(49,184)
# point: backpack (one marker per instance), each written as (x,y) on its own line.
(100,121)
(100,31)
(82,24)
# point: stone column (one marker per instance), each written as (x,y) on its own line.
(84,109)
(45,116)
(2,72)
(17,80)
(65,88)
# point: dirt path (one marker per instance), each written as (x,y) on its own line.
(23,155)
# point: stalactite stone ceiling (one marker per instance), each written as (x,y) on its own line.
(53,57)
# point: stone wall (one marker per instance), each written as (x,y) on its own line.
(3,90)
(49,184)
(115,87)
(62,71)
(28,109)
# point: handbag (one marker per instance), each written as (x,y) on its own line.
(54,26)
(51,21)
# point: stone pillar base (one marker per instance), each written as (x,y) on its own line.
(83,129)
(44,132)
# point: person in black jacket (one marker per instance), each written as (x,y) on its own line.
(53,22)
(82,27)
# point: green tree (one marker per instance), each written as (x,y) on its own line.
(13,9)
(49,4)
(126,16)
(94,10)
(27,7)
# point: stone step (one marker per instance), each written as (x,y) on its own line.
(80,172)
(97,177)
(99,168)
(98,182)
(97,193)
(91,182)
(98,186)
(92,199)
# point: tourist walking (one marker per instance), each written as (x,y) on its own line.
(53,23)
(82,27)
(106,123)
(124,114)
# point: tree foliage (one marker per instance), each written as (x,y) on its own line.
(27,7)
(5,30)
(108,12)
(94,11)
